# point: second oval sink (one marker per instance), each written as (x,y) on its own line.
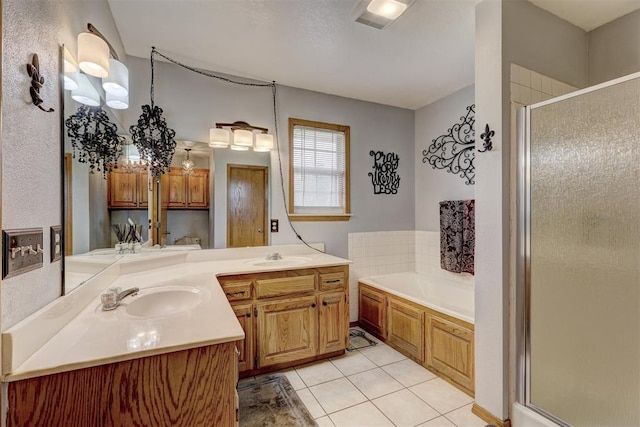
(164,301)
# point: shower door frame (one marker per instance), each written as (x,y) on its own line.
(523,246)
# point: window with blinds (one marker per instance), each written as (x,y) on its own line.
(319,169)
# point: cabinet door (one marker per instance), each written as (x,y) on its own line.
(244,313)
(287,331)
(198,189)
(143,189)
(333,324)
(372,311)
(122,189)
(406,328)
(450,350)
(176,183)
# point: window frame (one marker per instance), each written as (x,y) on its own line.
(347,175)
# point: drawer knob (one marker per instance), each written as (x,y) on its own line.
(313,305)
(248,315)
(324,303)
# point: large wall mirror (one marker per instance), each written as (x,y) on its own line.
(210,198)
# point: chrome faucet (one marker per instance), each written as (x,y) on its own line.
(274,256)
(113,297)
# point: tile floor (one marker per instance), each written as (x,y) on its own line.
(378,386)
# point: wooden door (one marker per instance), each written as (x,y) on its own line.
(406,328)
(372,312)
(176,182)
(287,330)
(122,189)
(244,313)
(198,189)
(333,324)
(246,205)
(450,350)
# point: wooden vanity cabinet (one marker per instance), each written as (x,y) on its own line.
(175,189)
(296,318)
(186,191)
(193,387)
(127,190)
(372,311)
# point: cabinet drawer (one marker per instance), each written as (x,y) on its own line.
(285,286)
(236,291)
(330,281)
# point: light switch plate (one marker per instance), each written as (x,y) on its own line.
(20,251)
(56,243)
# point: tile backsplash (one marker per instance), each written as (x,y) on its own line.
(529,87)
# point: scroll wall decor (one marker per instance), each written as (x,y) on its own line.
(37,81)
(385,177)
(455,150)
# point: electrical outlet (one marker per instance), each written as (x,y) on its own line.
(274,225)
(22,251)
(56,243)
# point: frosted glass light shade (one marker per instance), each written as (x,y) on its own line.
(117,82)
(71,80)
(117,102)
(239,147)
(86,93)
(70,64)
(264,142)
(390,9)
(93,55)
(243,138)
(219,138)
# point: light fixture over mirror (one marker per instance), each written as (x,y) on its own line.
(243,137)
(219,138)
(93,55)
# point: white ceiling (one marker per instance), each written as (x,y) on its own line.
(315,44)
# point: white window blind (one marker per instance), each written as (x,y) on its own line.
(319,170)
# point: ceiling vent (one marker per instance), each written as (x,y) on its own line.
(379,13)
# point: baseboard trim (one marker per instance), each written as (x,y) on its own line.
(353,324)
(489,417)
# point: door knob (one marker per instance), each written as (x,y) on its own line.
(259,230)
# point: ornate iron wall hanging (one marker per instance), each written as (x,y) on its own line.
(94,139)
(454,151)
(486,137)
(152,136)
(37,81)
(385,177)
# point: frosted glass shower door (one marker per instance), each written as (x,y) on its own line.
(583,263)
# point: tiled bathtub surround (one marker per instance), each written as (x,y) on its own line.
(529,87)
(386,252)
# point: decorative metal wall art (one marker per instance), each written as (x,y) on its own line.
(385,177)
(486,137)
(37,81)
(454,151)
(94,139)
(152,137)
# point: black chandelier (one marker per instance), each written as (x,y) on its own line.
(94,139)
(455,150)
(151,136)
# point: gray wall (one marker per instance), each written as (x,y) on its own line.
(194,103)
(31,164)
(436,185)
(614,49)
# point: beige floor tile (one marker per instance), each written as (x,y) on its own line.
(408,372)
(318,373)
(337,394)
(324,422)
(353,363)
(311,403)
(463,417)
(438,422)
(361,415)
(382,355)
(294,379)
(375,383)
(441,396)
(404,408)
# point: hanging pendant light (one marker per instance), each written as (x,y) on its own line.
(85,93)
(187,164)
(117,82)
(219,138)
(93,55)
(264,142)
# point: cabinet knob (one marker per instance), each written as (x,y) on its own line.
(324,303)
(248,315)
(313,305)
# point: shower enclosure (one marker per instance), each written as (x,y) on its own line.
(578,286)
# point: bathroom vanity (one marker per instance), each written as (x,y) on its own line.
(169,355)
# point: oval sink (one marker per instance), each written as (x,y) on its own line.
(164,301)
(289,261)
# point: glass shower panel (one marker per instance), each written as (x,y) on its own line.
(584,283)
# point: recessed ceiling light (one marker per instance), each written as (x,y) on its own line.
(390,9)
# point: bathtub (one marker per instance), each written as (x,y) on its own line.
(455,299)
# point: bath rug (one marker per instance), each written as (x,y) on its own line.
(270,400)
(358,340)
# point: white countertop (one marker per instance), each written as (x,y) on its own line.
(94,337)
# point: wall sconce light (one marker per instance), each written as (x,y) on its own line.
(96,57)
(243,137)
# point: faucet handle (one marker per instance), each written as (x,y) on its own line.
(109,299)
